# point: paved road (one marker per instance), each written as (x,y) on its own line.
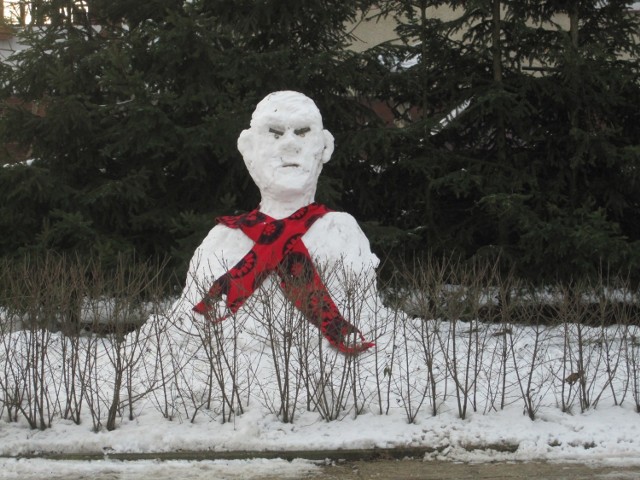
(347,470)
(380,468)
(431,470)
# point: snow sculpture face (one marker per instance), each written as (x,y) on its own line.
(286,146)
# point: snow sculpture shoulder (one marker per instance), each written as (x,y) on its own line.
(289,235)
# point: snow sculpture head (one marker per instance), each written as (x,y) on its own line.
(286,147)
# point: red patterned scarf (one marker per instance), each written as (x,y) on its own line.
(279,248)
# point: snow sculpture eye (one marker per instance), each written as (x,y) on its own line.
(301,131)
(276,133)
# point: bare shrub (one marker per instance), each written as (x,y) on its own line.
(334,380)
(412,384)
(463,344)
(331,382)
(419,371)
(623,372)
(163,362)
(358,300)
(117,303)
(591,348)
(34,300)
(90,378)
(503,309)
(205,361)
(384,354)
(73,318)
(223,359)
(430,282)
(286,329)
(529,362)
(631,347)
(451,334)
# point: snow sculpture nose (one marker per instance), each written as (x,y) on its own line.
(290,143)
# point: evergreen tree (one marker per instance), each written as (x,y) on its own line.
(458,87)
(514,132)
(538,170)
(143,104)
(391,187)
(584,216)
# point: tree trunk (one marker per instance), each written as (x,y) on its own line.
(500,135)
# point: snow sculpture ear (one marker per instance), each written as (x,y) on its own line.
(245,147)
(329,145)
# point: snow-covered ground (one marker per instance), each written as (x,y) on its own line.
(37,469)
(610,434)
(335,402)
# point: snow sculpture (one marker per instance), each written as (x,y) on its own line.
(288,236)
